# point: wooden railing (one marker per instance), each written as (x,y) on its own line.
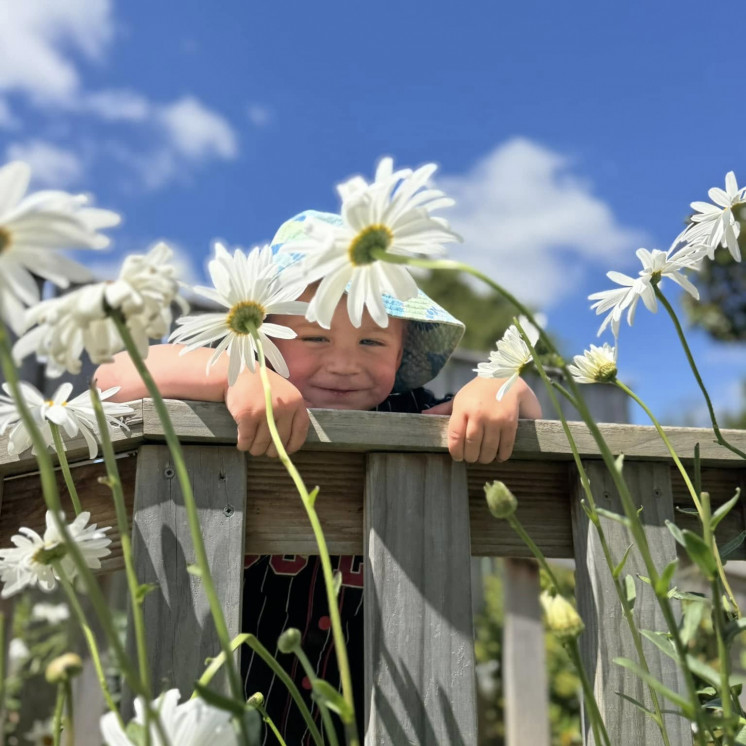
(390,491)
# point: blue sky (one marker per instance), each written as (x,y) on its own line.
(570,134)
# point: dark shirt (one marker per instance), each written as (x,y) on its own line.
(282,591)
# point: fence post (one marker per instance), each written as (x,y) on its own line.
(419,644)
(524,657)
(179,627)
(607,635)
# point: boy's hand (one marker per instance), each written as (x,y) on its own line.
(245,401)
(482,429)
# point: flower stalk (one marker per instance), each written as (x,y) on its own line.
(65,467)
(326,566)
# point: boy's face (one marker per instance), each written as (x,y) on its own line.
(342,367)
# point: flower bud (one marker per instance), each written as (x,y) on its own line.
(63,668)
(562,618)
(256,700)
(289,640)
(500,500)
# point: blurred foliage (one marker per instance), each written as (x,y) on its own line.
(721,308)
(564,705)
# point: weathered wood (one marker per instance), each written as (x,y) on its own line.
(279,524)
(179,628)
(419,647)
(524,657)
(607,635)
(340,430)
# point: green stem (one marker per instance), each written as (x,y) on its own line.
(720,439)
(114,483)
(3,670)
(90,639)
(65,466)
(517,526)
(597,723)
(57,717)
(54,505)
(596,521)
(282,675)
(70,730)
(689,486)
(191,509)
(336,623)
(268,720)
(331,734)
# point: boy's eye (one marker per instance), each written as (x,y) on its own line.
(372,342)
(314,339)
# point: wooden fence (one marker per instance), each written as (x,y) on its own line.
(390,491)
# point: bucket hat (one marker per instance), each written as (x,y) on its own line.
(432,333)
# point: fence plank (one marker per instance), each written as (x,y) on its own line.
(419,646)
(607,635)
(179,627)
(524,657)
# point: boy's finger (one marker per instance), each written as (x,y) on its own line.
(473,441)
(245,435)
(491,443)
(262,441)
(507,441)
(299,430)
(456,437)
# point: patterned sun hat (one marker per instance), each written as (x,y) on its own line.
(432,333)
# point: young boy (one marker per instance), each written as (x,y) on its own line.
(344,367)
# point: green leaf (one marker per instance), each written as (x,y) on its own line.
(729,548)
(618,569)
(662,689)
(687,596)
(312,495)
(630,590)
(195,570)
(638,705)
(701,669)
(219,701)
(700,553)
(619,463)
(734,628)
(693,615)
(662,641)
(724,509)
(661,585)
(697,470)
(614,517)
(329,696)
(741,737)
(686,511)
(143,590)
(337,580)
(675,532)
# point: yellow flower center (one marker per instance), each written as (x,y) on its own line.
(370,238)
(245,317)
(605,372)
(4,239)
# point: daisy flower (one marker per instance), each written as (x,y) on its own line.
(511,358)
(28,563)
(143,293)
(191,723)
(249,288)
(656,265)
(74,416)
(392,214)
(595,365)
(41,733)
(716,224)
(50,613)
(31,227)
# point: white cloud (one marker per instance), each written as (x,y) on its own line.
(198,132)
(51,165)
(35,33)
(531,224)
(116,105)
(259,115)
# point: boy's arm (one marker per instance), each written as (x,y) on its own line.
(482,429)
(184,377)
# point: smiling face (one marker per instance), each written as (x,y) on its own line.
(342,367)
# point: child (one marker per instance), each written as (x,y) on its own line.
(344,367)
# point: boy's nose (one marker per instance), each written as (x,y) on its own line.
(342,361)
